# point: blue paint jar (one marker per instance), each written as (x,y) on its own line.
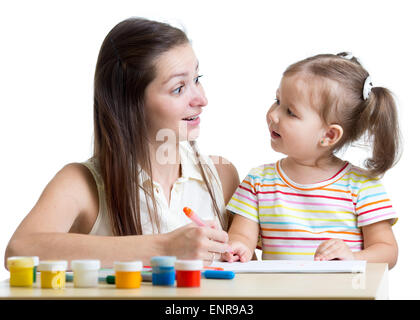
(163,270)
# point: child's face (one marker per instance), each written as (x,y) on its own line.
(294,123)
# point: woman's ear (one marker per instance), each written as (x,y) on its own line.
(332,135)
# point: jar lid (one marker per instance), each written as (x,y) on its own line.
(20,262)
(85,264)
(163,261)
(52,265)
(128,265)
(36,260)
(189,265)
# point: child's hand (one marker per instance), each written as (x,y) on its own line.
(239,252)
(333,249)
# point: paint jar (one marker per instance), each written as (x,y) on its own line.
(36,263)
(85,273)
(163,270)
(188,273)
(128,274)
(21,271)
(53,274)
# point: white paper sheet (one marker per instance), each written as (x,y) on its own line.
(293,266)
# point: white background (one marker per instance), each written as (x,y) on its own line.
(48,52)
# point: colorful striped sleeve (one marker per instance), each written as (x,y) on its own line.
(244,201)
(372,203)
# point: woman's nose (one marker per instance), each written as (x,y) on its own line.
(198,98)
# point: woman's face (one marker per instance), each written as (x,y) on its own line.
(175,98)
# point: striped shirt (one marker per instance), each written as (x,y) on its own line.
(295,219)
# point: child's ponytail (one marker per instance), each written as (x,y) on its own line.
(380,120)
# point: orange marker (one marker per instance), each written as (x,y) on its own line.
(214,268)
(191,214)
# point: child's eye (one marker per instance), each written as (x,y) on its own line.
(197,79)
(178,90)
(290,113)
(277,101)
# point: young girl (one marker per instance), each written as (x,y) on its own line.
(311,204)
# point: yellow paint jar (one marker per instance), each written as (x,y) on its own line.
(128,274)
(21,271)
(53,274)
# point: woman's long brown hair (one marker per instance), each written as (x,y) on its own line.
(124,69)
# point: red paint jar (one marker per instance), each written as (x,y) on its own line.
(188,273)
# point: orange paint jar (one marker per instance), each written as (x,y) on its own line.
(128,274)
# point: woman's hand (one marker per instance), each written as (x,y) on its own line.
(333,249)
(239,252)
(193,242)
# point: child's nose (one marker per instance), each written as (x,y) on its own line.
(273,115)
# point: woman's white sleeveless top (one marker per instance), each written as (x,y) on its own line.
(188,191)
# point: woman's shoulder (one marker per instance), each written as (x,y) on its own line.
(78,172)
(224,167)
(80,183)
(79,178)
(70,196)
(73,173)
(228,175)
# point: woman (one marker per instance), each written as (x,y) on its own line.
(125,203)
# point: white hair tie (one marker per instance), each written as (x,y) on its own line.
(367,88)
(348,55)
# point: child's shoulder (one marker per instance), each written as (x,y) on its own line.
(263,171)
(357,175)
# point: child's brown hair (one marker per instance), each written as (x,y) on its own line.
(374,115)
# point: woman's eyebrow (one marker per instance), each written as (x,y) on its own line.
(176,75)
(180,74)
